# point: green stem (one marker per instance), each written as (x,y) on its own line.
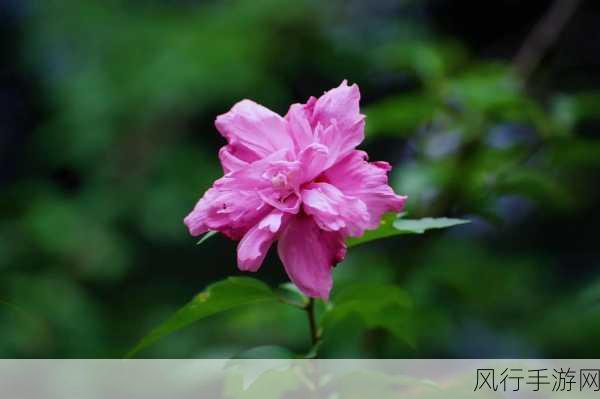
(310,311)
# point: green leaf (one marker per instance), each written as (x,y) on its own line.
(419,226)
(378,305)
(206,237)
(218,297)
(385,229)
(392,225)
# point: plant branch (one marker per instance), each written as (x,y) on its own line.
(543,36)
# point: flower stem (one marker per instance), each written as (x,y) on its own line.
(310,311)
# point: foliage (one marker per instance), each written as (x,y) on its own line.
(218,297)
(386,311)
(392,225)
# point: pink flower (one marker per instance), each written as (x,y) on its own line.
(298,180)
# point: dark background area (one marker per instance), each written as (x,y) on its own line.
(107,140)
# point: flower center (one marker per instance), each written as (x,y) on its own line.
(282,176)
(280,181)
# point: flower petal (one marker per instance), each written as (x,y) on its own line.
(313,160)
(337,141)
(335,211)
(233,205)
(299,126)
(290,204)
(230,211)
(342,106)
(233,159)
(357,177)
(255,244)
(254,129)
(309,254)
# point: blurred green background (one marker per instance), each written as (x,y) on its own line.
(107,140)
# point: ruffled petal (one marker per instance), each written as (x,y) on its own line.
(288,204)
(233,159)
(233,205)
(335,211)
(282,191)
(339,106)
(299,126)
(309,254)
(357,177)
(254,129)
(338,142)
(231,212)
(313,160)
(254,246)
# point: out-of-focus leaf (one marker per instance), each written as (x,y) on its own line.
(218,297)
(424,181)
(568,110)
(491,91)
(584,105)
(581,153)
(564,114)
(485,88)
(18,310)
(68,312)
(110,258)
(545,189)
(429,61)
(392,225)
(24,319)
(587,105)
(291,294)
(378,305)
(399,115)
